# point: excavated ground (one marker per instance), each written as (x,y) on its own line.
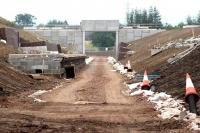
(91,103)
(172,79)
(16,83)
(142,57)
(25,36)
(173,75)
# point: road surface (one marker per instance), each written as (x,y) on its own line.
(93,102)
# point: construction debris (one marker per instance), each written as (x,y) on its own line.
(169,107)
(36,76)
(193,43)
(89,60)
(176,41)
(36,94)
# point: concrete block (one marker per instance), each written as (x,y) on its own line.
(155,51)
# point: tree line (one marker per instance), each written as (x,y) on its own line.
(26,19)
(194,20)
(143,17)
(103,39)
(151,17)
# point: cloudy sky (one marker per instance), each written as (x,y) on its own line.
(172,11)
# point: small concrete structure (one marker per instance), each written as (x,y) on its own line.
(34,50)
(54,64)
(40,47)
(33,47)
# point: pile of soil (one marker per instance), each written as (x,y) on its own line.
(12,81)
(142,59)
(15,83)
(25,36)
(4,22)
(173,75)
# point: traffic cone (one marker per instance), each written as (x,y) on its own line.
(126,66)
(145,84)
(191,95)
(129,66)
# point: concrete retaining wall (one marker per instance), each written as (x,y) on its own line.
(47,63)
(65,37)
(129,34)
(34,50)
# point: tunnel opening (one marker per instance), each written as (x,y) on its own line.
(70,72)
(38,71)
(98,43)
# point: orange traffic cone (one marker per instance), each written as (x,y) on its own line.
(191,95)
(129,66)
(145,84)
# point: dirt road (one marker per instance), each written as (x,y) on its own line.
(91,103)
(98,84)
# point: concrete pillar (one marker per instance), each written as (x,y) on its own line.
(117,45)
(83,47)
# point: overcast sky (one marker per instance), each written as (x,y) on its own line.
(172,11)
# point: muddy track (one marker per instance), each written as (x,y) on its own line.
(91,103)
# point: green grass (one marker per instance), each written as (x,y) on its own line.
(89,45)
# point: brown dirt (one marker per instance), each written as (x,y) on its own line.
(10,79)
(142,57)
(25,36)
(173,76)
(4,22)
(91,103)
(17,83)
(153,63)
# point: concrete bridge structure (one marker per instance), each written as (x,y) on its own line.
(74,36)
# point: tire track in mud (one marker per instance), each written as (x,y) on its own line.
(94,90)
